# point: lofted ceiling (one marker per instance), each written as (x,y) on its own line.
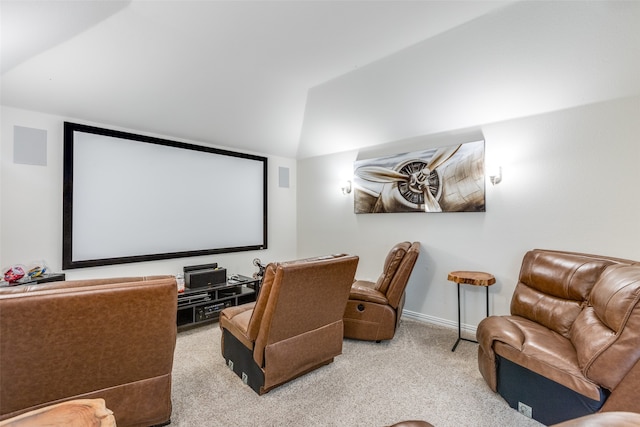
(311,77)
(229,73)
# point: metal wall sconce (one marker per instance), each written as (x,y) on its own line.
(496,178)
(346,187)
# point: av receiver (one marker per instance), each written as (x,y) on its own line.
(210,311)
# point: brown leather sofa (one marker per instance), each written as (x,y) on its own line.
(110,338)
(604,419)
(294,327)
(374,308)
(571,346)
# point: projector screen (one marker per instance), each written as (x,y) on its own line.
(131,198)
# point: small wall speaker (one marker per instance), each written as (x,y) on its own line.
(29,146)
(283,177)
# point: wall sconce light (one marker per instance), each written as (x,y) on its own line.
(346,187)
(496,176)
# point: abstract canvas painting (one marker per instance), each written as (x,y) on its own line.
(445,179)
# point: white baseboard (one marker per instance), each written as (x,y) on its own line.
(438,321)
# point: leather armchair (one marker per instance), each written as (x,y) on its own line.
(374,308)
(294,327)
(573,333)
(88,339)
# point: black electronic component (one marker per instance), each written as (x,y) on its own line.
(207,277)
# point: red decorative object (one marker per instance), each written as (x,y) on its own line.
(14,274)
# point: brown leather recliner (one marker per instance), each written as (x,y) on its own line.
(294,327)
(374,308)
(573,334)
(109,338)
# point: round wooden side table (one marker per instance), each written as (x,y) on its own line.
(475,278)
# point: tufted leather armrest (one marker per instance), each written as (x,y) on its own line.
(499,328)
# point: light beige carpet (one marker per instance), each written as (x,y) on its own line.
(413,376)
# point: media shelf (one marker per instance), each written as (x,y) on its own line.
(205,304)
(45,278)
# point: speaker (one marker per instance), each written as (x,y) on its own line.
(283,177)
(204,278)
(29,146)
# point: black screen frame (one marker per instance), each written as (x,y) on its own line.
(68,178)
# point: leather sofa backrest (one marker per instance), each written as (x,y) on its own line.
(70,284)
(299,296)
(111,338)
(606,334)
(391,265)
(398,284)
(553,287)
(261,303)
(268,277)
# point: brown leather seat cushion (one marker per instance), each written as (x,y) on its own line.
(549,354)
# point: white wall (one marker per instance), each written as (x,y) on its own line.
(31,209)
(570,182)
(528,58)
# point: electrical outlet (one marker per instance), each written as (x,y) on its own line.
(525,410)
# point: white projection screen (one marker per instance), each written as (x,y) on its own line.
(131,198)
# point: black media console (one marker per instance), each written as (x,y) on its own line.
(205,303)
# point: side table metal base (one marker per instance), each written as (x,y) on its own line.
(462,339)
(478,279)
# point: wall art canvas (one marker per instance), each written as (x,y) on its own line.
(445,179)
